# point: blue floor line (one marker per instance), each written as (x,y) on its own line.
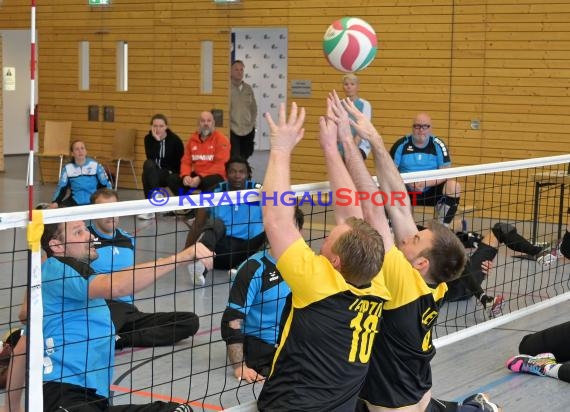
(488,387)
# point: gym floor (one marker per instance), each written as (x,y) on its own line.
(472,365)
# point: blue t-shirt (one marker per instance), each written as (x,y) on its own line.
(82,180)
(115,253)
(242,221)
(79,336)
(259,292)
(411,158)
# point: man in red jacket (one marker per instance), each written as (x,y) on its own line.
(205,155)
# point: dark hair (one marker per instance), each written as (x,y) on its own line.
(361,252)
(299,217)
(446,256)
(104,192)
(159,116)
(238,61)
(239,160)
(51,231)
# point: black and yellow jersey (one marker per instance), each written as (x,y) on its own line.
(327,338)
(400,372)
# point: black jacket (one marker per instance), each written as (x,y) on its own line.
(166,154)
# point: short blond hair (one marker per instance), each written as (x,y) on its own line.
(350,76)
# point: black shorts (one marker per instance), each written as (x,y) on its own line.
(258,355)
(428,198)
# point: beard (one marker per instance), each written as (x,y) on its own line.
(205,132)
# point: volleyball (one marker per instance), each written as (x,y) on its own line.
(350,44)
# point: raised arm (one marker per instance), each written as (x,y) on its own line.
(399,204)
(278,218)
(374,214)
(338,175)
(128,281)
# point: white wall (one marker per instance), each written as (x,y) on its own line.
(16,108)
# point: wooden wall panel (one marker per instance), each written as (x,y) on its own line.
(502,62)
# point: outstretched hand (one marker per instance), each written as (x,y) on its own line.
(363,126)
(340,115)
(287,132)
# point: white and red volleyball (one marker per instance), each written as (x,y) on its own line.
(350,44)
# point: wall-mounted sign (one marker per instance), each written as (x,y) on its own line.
(301,88)
(9,76)
(99,2)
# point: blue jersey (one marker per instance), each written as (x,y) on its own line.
(411,158)
(82,180)
(79,336)
(259,293)
(115,253)
(242,221)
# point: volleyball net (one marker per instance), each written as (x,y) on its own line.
(529,195)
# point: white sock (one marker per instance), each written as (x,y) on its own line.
(552,370)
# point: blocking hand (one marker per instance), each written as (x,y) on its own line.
(287,132)
(341,117)
(363,126)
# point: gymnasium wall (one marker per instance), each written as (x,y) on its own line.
(504,63)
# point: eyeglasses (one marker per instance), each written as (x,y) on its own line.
(422,126)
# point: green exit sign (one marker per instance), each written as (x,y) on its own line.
(99,2)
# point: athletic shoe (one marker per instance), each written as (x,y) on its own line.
(497,306)
(197,270)
(482,402)
(145,216)
(531,364)
(548,259)
(43,206)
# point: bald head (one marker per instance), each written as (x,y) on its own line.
(421,128)
(206,124)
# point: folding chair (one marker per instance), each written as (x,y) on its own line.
(57,136)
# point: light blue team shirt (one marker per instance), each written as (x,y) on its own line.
(79,336)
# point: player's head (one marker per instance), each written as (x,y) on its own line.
(69,239)
(238,171)
(206,124)
(78,151)
(237,71)
(436,252)
(356,250)
(350,85)
(106,225)
(421,128)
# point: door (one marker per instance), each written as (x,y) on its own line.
(16,98)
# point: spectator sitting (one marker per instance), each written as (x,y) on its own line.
(422,151)
(163,149)
(116,250)
(233,232)
(250,323)
(205,154)
(82,177)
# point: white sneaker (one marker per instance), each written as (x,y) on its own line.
(196,270)
(548,259)
(145,216)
